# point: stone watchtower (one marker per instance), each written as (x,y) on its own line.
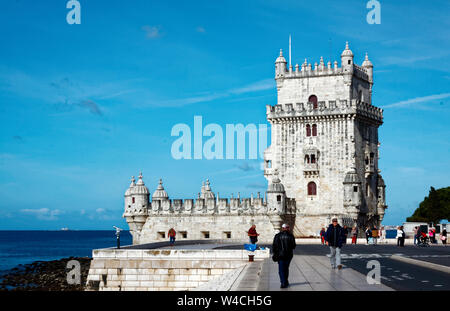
(325,143)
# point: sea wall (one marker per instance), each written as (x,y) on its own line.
(160,269)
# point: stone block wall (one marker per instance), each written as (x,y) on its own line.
(162,270)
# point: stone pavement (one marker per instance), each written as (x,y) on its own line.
(314,273)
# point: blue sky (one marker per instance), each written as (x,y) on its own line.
(84,107)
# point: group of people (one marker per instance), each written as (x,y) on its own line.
(421,237)
(334,237)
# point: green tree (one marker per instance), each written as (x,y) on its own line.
(434,208)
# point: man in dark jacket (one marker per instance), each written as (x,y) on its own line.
(334,238)
(283,251)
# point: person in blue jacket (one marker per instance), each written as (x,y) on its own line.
(334,238)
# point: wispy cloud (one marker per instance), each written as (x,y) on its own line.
(200,29)
(91,106)
(416,100)
(152,32)
(258,86)
(245,167)
(43,213)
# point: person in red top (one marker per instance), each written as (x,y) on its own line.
(253,235)
(172,233)
(322,235)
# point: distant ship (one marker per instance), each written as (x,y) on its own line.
(65,229)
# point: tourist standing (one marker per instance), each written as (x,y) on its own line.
(400,236)
(382,235)
(334,238)
(415,235)
(375,235)
(354,234)
(252,234)
(283,251)
(431,235)
(444,236)
(322,236)
(172,233)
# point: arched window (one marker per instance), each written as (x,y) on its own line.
(313,158)
(312,190)
(308,130)
(278,198)
(313,99)
(314,130)
(307,159)
(132,200)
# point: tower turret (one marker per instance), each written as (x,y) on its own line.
(347,60)
(160,193)
(280,66)
(136,207)
(276,201)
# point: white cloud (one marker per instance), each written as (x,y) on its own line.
(43,213)
(151,32)
(418,100)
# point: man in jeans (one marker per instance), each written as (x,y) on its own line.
(334,238)
(283,251)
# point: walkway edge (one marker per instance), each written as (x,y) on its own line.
(422,263)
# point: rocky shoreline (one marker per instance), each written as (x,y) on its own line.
(44,276)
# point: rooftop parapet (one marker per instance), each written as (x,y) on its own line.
(325,108)
(238,206)
(306,70)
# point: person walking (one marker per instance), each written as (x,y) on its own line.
(444,236)
(419,235)
(172,233)
(322,236)
(382,235)
(368,234)
(252,234)
(415,235)
(375,235)
(283,250)
(334,238)
(354,234)
(400,236)
(345,232)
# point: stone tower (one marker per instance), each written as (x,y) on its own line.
(136,206)
(325,143)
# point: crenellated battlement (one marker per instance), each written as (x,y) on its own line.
(324,109)
(222,206)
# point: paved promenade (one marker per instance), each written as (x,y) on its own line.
(314,273)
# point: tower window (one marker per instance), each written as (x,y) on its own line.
(314,130)
(312,189)
(308,130)
(307,159)
(313,158)
(349,62)
(132,200)
(278,198)
(355,188)
(313,99)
